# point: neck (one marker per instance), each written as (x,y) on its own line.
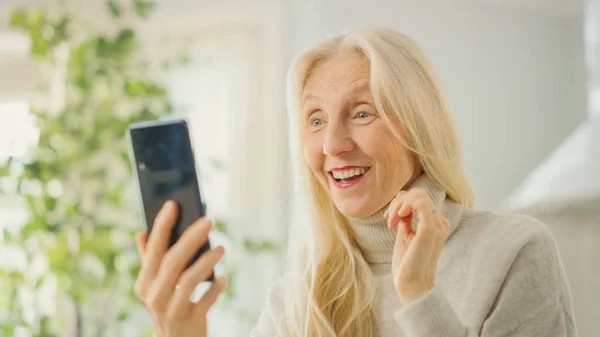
(376,241)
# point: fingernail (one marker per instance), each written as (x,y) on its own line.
(206,224)
(164,210)
(169,204)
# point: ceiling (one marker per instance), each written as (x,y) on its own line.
(554,7)
(567,8)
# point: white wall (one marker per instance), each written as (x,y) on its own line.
(515,76)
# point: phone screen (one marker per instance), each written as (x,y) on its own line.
(163,159)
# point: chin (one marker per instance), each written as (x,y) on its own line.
(354,210)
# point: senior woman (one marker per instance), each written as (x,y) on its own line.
(393,247)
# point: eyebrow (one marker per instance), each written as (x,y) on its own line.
(357,89)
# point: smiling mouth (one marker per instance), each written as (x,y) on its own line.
(348,175)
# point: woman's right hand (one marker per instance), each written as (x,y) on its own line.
(164,269)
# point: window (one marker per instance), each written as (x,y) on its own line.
(200,92)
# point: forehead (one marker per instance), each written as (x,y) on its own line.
(342,72)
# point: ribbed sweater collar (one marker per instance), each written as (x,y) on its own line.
(376,240)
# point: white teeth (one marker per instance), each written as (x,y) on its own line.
(348,173)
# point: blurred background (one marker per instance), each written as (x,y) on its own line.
(523,77)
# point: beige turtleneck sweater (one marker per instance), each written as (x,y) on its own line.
(498,275)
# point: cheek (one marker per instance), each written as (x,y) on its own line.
(313,152)
(388,154)
(389,160)
(399,166)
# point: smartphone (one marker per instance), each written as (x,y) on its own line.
(164,168)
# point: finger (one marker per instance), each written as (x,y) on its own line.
(405,209)
(443,226)
(392,203)
(158,241)
(425,248)
(426,212)
(177,259)
(428,236)
(179,256)
(199,272)
(405,213)
(153,248)
(141,238)
(421,205)
(211,296)
(393,210)
(403,238)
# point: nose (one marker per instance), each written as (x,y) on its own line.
(337,140)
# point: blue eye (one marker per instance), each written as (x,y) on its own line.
(316,122)
(362,115)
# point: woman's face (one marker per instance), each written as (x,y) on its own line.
(348,147)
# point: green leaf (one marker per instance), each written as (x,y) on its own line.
(5,168)
(230,291)
(61,30)
(78,294)
(18,18)
(98,243)
(103,47)
(36,224)
(124,42)
(39,46)
(124,156)
(148,333)
(123,316)
(7,235)
(185,60)
(83,83)
(260,246)
(7,328)
(36,17)
(73,209)
(114,8)
(33,170)
(139,88)
(50,203)
(134,88)
(134,270)
(167,108)
(115,196)
(143,8)
(221,226)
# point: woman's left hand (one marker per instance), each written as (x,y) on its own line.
(416,253)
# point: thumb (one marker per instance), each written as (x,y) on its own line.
(403,236)
(141,238)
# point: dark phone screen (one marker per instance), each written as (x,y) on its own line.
(166,170)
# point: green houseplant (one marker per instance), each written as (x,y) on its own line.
(75,183)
